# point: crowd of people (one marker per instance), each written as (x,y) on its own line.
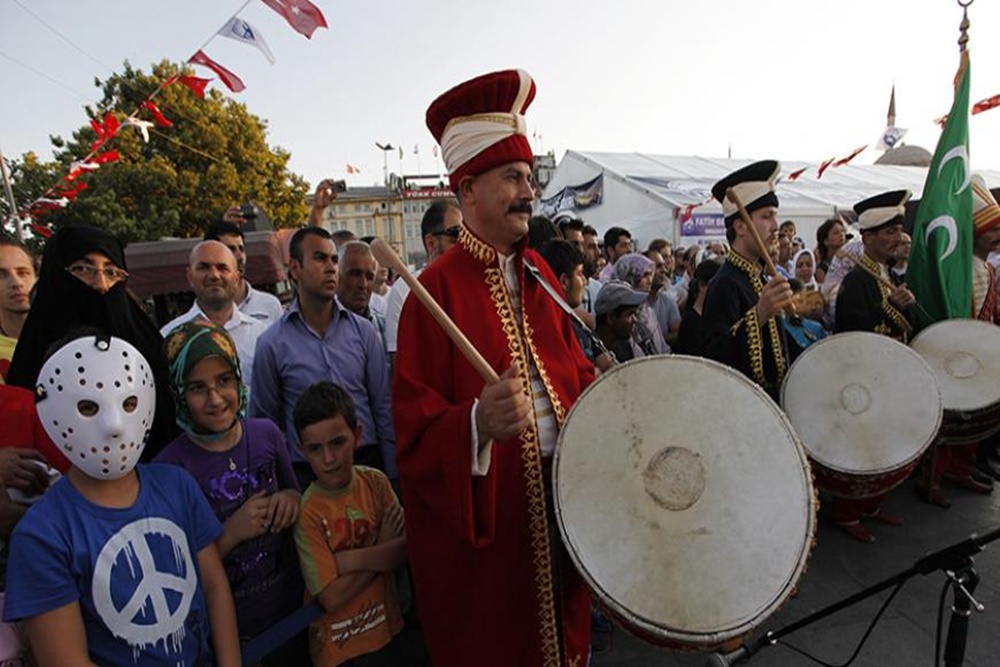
(249,456)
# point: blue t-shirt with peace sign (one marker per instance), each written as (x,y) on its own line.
(134,571)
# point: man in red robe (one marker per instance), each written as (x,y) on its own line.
(494,585)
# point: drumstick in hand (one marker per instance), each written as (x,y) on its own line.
(387,257)
(761,248)
(877,276)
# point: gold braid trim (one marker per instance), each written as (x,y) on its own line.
(557,406)
(475,247)
(779,354)
(903,328)
(531,458)
(752,322)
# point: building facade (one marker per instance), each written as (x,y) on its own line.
(369,211)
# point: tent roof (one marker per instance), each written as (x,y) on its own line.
(683,180)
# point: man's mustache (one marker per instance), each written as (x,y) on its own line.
(520,207)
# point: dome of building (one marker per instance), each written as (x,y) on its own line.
(906,155)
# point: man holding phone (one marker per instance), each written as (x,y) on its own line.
(326,192)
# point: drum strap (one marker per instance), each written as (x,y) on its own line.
(566,308)
(894,315)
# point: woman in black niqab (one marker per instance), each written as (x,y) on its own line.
(62,303)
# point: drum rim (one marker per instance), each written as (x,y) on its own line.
(838,338)
(650,627)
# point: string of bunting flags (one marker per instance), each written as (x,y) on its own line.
(977,108)
(687,211)
(301,15)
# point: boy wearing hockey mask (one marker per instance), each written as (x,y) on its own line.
(116,564)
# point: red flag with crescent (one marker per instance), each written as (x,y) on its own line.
(233,82)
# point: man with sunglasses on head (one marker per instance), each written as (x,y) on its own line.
(439,229)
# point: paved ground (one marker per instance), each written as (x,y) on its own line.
(840,567)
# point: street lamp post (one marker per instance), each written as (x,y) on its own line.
(385,148)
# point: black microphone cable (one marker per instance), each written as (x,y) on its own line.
(857,650)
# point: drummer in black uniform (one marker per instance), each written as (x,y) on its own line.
(865,303)
(740,323)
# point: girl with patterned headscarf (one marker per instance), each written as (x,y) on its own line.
(244,469)
(647,337)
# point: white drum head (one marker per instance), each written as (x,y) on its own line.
(684,498)
(862,403)
(965,357)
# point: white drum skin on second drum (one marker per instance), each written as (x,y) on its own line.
(690,514)
(866,407)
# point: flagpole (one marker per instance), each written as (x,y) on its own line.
(14,214)
(216,33)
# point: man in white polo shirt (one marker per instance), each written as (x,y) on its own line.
(214,277)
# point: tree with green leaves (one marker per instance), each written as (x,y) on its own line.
(215,154)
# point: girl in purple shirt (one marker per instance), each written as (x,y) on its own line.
(243,468)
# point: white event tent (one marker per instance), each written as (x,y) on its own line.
(649,194)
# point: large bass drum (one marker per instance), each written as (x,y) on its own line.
(866,407)
(684,498)
(965,357)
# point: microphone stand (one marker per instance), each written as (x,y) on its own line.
(963,583)
(955,561)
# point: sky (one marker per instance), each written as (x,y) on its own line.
(786,79)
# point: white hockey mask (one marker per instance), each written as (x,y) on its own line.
(95,399)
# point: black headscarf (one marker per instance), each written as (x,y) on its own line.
(63,303)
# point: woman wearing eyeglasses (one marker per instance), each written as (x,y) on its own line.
(83,283)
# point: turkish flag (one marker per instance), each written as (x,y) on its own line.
(233,82)
(795,174)
(72,193)
(302,15)
(158,116)
(842,161)
(196,84)
(41,230)
(823,167)
(105,157)
(986,105)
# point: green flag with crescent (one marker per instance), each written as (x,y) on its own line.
(939,272)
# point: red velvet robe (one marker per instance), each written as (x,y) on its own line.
(494,585)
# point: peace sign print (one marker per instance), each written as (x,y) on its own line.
(144,583)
